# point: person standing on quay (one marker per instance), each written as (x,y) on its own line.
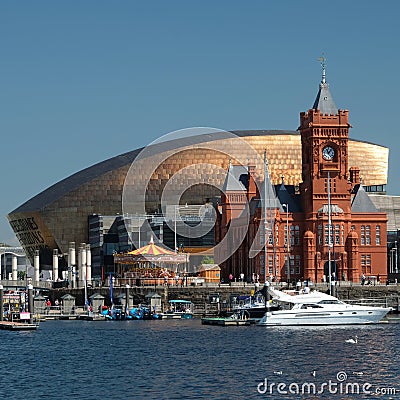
(48,305)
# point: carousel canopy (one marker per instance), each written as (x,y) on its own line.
(151,253)
(152,250)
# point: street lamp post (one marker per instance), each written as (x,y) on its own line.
(139,229)
(175,238)
(4,258)
(391,261)
(329,234)
(287,242)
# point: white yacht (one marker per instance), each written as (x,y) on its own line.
(317,308)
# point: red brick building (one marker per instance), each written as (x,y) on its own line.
(356,243)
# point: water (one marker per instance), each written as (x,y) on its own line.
(182,359)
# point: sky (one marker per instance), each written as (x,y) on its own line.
(83,81)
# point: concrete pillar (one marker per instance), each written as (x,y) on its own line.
(30,303)
(1,303)
(82,272)
(127,298)
(79,269)
(14,268)
(71,264)
(55,265)
(36,267)
(88,264)
(69,269)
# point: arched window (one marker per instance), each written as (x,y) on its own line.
(362,235)
(297,270)
(368,234)
(337,234)
(296,235)
(327,234)
(286,235)
(319,234)
(366,263)
(291,235)
(270,264)
(378,235)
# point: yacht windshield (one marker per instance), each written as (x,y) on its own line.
(330,302)
(310,306)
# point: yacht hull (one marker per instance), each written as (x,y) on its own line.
(370,315)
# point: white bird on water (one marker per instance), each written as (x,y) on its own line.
(278,372)
(351,340)
(358,373)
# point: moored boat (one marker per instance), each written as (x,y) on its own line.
(179,309)
(255,306)
(317,308)
(136,313)
(240,318)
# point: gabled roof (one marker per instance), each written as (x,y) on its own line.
(391,206)
(287,198)
(236,179)
(269,200)
(324,101)
(362,203)
(209,267)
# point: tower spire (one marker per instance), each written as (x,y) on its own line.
(322,59)
(324,101)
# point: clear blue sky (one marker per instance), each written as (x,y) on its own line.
(83,81)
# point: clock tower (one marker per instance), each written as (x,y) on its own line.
(324,138)
(326,188)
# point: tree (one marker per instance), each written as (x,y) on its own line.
(21,275)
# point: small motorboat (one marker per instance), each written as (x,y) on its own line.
(179,309)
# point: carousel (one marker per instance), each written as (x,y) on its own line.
(151,265)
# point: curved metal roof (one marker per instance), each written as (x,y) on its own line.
(289,150)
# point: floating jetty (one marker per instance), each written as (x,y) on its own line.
(91,317)
(17,326)
(227,321)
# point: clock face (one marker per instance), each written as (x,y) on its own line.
(328,153)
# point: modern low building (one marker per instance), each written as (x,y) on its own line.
(121,233)
(196,167)
(14,265)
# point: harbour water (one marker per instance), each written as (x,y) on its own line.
(182,359)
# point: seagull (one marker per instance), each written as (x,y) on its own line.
(313,373)
(278,372)
(351,340)
(358,373)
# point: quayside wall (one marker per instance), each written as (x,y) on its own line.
(203,295)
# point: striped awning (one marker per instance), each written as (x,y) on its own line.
(150,249)
(153,254)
